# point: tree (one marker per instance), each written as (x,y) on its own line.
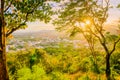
(14,14)
(91,16)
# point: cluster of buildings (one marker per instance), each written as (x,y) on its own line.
(21,44)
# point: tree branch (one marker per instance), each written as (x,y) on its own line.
(8,6)
(14,29)
(26,19)
(102,39)
(95,35)
(114,46)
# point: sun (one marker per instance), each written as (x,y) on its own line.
(87,22)
(83,24)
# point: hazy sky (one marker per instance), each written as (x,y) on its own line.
(37,26)
(114,15)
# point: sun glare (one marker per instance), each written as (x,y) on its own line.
(82,24)
(87,22)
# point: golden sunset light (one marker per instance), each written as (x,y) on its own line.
(87,22)
(59,39)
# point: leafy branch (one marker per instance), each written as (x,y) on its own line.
(26,19)
(9,6)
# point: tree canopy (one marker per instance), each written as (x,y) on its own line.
(14,15)
(89,17)
(18,12)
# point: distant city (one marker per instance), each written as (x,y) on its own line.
(41,39)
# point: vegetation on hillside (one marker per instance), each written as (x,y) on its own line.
(99,60)
(62,63)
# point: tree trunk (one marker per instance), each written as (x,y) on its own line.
(108,71)
(3,67)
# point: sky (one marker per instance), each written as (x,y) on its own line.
(114,16)
(114,13)
(37,26)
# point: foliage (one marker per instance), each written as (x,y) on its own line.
(88,17)
(64,61)
(18,12)
(65,64)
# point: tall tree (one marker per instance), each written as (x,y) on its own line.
(13,16)
(3,69)
(90,17)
